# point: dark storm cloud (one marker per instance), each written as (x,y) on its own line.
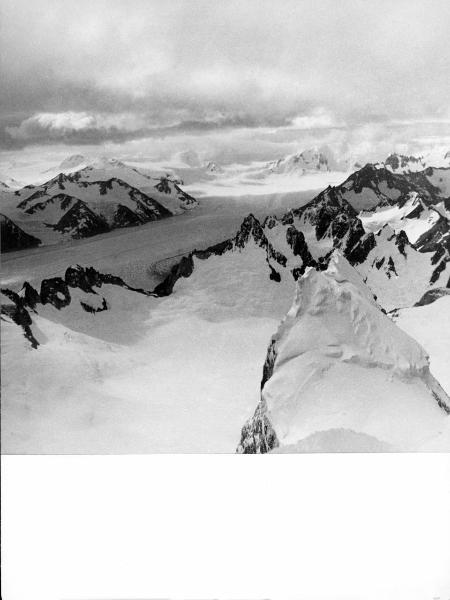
(123,69)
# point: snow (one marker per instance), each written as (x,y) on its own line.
(182,373)
(343,365)
(430,326)
(151,375)
(396,217)
(412,273)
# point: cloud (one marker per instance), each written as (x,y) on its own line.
(59,126)
(320,119)
(134,67)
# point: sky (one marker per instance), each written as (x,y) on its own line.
(233,79)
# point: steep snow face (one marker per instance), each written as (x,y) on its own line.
(339,369)
(396,272)
(430,326)
(412,216)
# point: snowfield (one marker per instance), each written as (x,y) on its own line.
(217,331)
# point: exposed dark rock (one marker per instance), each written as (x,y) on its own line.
(274,275)
(13,237)
(296,240)
(401,241)
(269,363)
(436,238)
(30,296)
(19,315)
(438,270)
(183,269)
(390,269)
(371,177)
(358,254)
(83,278)
(379,263)
(125,217)
(258,435)
(431,295)
(416,212)
(163,186)
(64,200)
(55,292)
(80,222)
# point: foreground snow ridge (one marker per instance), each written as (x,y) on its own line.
(340,374)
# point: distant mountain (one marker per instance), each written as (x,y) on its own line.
(8,184)
(102,196)
(212,167)
(400,163)
(302,162)
(72,162)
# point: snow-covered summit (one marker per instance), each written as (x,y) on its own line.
(337,363)
(302,162)
(73,161)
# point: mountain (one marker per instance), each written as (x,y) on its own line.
(73,162)
(13,237)
(339,373)
(214,313)
(400,163)
(102,196)
(212,167)
(302,162)
(374,186)
(8,184)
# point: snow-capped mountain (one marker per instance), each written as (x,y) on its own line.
(94,199)
(339,372)
(348,273)
(8,184)
(400,163)
(303,162)
(212,167)
(72,162)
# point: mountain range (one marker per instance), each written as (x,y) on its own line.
(87,200)
(330,279)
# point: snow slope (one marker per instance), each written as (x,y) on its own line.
(337,368)
(430,326)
